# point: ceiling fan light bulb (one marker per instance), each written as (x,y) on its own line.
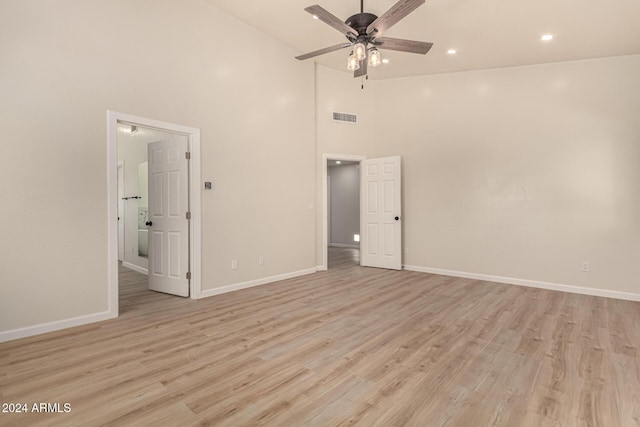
(353,63)
(374,57)
(360,51)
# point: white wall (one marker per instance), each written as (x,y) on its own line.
(65,63)
(345,204)
(517,172)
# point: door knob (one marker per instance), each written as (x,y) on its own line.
(149,223)
(397,218)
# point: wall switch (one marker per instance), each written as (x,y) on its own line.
(261,260)
(234,264)
(586,267)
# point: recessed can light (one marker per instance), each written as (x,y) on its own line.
(452,51)
(546,37)
(385,61)
(315,17)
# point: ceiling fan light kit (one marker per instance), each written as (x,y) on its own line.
(353,63)
(364,33)
(360,51)
(374,57)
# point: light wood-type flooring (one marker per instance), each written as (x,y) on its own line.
(351,346)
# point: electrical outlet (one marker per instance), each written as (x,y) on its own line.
(261,260)
(586,267)
(234,264)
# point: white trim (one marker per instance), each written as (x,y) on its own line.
(343,245)
(530,283)
(258,282)
(134,267)
(195,239)
(54,326)
(325,210)
(321,268)
(112,215)
(122,220)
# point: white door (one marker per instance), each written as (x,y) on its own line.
(168,223)
(120,211)
(381,215)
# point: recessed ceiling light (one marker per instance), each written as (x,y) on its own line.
(315,17)
(546,37)
(338,162)
(385,61)
(452,51)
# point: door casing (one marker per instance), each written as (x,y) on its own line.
(120,211)
(325,203)
(195,240)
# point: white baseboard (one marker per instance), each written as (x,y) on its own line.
(137,268)
(530,283)
(321,268)
(237,286)
(55,326)
(343,245)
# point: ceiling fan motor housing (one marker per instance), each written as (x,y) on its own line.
(360,22)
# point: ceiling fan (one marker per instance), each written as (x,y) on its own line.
(364,31)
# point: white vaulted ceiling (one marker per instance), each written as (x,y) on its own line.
(485,33)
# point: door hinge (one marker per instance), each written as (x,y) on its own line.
(188,275)
(187,155)
(188,215)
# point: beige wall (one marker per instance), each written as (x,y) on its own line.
(65,63)
(516,172)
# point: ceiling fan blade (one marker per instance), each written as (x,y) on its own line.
(411,46)
(326,17)
(393,15)
(323,51)
(362,71)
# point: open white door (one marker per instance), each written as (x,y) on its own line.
(168,212)
(381,220)
(120,211)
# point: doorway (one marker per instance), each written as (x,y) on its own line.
(340,230)
(118,123)
(343,213)
(380,210)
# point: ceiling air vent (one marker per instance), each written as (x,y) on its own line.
(345,117)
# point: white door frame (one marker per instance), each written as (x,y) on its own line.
(195,243)
(325,203)
(121,223)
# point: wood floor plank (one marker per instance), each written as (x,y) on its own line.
(349,346)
